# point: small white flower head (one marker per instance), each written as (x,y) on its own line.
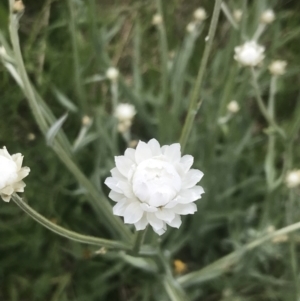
(237,15)
(200,14)
(11,174)
(277,67)
(267,16)
(86,120)
(112,73)
(233,107)
(249,54)
(124,112)
(292,179)
(157,19)
(154,185)
(191,27)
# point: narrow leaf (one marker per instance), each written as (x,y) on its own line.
(54,129)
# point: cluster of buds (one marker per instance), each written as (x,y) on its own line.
(199,16)
(125,113)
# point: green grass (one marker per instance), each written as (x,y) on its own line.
(237,208)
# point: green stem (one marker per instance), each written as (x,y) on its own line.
(139,239)
(220,266)
(102,208)
(194,105)
(67,233)
(77,70)
(262,106)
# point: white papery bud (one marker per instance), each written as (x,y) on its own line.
(277,67)
(86,120)
(154,185)
(157,19)
(191,27)
(11,174)
(112,73)
(267,16)
(200,14)
(124,112)
(292,179)
(249,54)
(237,15)
(233,107)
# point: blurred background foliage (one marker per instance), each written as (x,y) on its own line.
(65,43)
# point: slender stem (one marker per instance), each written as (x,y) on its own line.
(228,15)
(262,106)
(67,233)
(220,266)
(139,239)
(102,208)
(271,104)
(194,105)
(173,289)
(260,29)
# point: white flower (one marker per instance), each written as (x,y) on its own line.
(124,112)
(112,73)
(200,14)
(249,54)
(233,107)
(11,174)
(237,15)
(154,185)
(277,67)
(157,19)
(293,178)
(267,16)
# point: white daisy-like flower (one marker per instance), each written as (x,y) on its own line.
(267,17)
(277,67)
(11,174)
(200,14)
(154,185)
(293,178)
(233,107)
(112,73)
(249,54)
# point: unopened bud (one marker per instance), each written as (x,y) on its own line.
(18,7)
(200,14)
(157,19)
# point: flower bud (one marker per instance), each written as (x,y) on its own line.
(191,27)
(18,7)
(11,174)
(179,267)
(157,19)
(237,15)
(233,107)
(267,16)
(249,54)
(200,14)
(86,120)
(277,67)
(292,179)
(112,73)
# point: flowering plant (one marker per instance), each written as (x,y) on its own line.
(154,185)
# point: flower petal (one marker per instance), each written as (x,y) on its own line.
(5,198)
(173,153)
(165,214)
(133,213)
(190,195)
(185,209)
(176,222)
(141,224)
(18,158)
(192,177)
(112,184)
(130,154)
(23,172)
(148,208)
(116,197)
(142,152)
(120,207)
(154,147)
(124,165)
(155,222)
(186,162)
